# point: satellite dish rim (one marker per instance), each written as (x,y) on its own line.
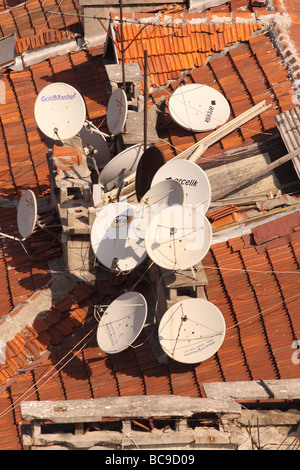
(26,218)
(174,169)
(43,119)
(185,107)
(196,350)
(119,118)
(112,308)
(167,259)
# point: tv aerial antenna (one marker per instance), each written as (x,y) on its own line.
(122,322)
(191,331)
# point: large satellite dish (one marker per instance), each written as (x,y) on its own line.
(178,237)
(163,194)
(96,144)
(27,213)
(59,111)
(198,107)
(122,166)
(191,331)
(122,322)
(195,183)
(151,160)
(116,111)
(113,239)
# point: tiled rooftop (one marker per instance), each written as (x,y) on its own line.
(253,279)
(31,17)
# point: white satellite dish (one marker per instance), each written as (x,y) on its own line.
(178,237)
(198,107)
(59,111)
(122,322)
(27,213)
(116,111)
(113,239)
(96,144)
(194,182)
(192,331)
(163,194)
(123,166)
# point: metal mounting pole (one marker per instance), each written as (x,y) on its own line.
(145,99)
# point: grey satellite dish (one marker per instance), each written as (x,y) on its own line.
(123,166)
(27,214)
(59,111)
(113,239)
(178,237)
(198,107)
(116,111)
(195,183)
(122,322)
(151,160)
(163,194)
(192,331)
(96,144)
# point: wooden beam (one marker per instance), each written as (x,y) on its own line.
(254,176)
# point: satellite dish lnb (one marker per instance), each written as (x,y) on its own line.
(116,111)
(122,322)
(191,331)
(27,214)
(59,111)
(198,108)
(178,237)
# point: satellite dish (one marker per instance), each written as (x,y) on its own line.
(96,144)
(178,237)
(151,160)
(113,239)
(163,194)
(195,183)
(116,111)
(27,214)
(192,330)
(122,322)
(198,107)
(59,111)
(122,166)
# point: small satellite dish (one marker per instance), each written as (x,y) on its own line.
(192,331)
(96,144)
(198,107)
(151,160)
(195,183)
(178,237)
(163,194)
(116,111)
(122,322)
(27,214)
(121,167)
(59,111)
(113,239)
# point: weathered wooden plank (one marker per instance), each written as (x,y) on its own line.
(288,389)
(78,411)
